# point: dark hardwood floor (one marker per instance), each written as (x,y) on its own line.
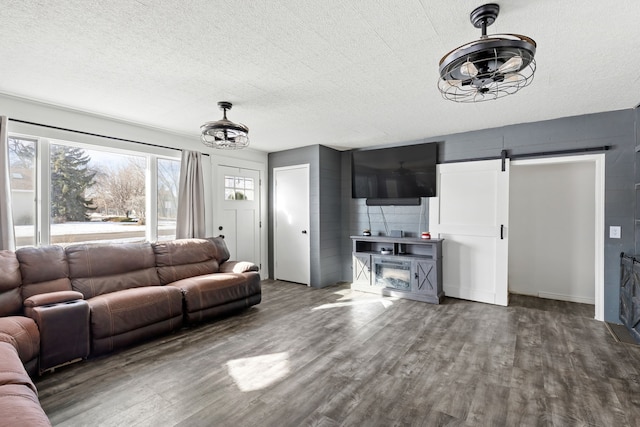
(329,357)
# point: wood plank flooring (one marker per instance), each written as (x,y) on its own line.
(333,357)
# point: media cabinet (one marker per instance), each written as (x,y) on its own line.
(401,267)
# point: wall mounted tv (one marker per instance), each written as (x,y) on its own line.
(394,173)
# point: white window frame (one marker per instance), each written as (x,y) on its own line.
(42,226)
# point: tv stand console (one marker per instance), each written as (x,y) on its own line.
(401,267)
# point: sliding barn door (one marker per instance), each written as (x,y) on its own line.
(471,212)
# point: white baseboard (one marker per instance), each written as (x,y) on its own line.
(570,298)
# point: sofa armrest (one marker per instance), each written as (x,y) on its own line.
(49,298)
(63,321)
(238,267)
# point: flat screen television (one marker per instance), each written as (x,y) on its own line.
(397,172)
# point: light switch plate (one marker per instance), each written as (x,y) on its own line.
(614,232)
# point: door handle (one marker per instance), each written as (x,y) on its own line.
(501,231)
(304,231)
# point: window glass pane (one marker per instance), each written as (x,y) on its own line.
(238,188)
(168,179)
(96,195)
(22,168)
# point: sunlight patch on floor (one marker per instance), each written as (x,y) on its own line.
(259,372)
(386,303)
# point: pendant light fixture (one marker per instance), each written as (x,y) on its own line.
(224,134)
(490,67)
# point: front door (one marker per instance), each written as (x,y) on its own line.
(471,212)
(292,245)
(238,212)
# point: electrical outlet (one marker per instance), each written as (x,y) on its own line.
(615,232)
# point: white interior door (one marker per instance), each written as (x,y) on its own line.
(471,213)
(291,224)
(238,212)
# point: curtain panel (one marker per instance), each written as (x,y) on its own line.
(7,233)
(190,216)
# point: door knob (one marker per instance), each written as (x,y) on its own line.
(220,228)
(304,231)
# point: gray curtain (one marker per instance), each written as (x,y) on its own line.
(7,234)
(190,221)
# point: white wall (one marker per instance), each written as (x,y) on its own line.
(551,235)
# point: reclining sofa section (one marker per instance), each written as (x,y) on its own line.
(211,284)
(60,304)
(126,301)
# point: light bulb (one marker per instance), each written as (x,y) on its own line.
(468,69)
(511,65)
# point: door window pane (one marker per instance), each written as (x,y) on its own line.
(238,188)
(22,169)
(168,180)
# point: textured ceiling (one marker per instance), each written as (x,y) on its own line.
(340,73)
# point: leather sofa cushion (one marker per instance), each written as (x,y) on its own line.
(19,403)
(179,259)
(98,269)
(238,267)
(11,368)
(222,252)
(19,406)
(119,312)
(10,279)
(21,332)
(203,292)
(44,269)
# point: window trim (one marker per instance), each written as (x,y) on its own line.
(42,200)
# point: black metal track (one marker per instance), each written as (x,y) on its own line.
(535,154)
(96,134)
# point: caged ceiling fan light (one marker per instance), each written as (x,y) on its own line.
(224,134)
(490,67)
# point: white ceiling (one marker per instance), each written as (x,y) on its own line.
(341,73)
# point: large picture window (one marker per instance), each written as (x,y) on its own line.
(65,193)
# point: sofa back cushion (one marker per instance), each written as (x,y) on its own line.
(222,252)
(182,258)
(97,269)
(44,269)
(10,298)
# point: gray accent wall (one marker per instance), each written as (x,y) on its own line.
(617,128)
(325,233)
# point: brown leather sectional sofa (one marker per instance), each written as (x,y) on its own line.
(59,305)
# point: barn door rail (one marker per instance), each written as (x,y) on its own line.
(504,154)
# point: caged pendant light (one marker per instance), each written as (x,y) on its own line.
(225,134)
(490,67)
